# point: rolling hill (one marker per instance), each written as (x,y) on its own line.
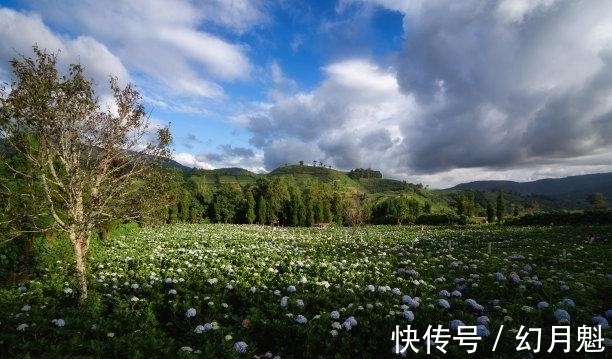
(568,192)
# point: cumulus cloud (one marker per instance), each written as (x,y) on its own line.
(20,31)
(516,81)
(510,87)
(162,41)
(226,156)
(358,103)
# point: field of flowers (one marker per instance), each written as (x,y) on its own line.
(223,291)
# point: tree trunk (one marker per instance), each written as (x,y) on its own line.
(79,244)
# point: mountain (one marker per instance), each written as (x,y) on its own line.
(569,192)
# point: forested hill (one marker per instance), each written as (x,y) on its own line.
(569,190)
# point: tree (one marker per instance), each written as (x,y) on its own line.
(401,206)
(501,206)
(597,201)
(88,158)
(490,212)
(226,201)
(250,207)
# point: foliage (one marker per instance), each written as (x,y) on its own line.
(364,173)
(152,290)
(86,161)
(563,218)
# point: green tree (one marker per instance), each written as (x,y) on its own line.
(87,157)
(490,212)
(226,201)
(501,206)
(262,210)
(597,201)
(250,207)
(401,208)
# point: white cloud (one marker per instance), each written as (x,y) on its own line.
(352,119)
(190,160)
(163,41)
(20,31)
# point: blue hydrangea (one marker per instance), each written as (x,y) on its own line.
(482,331)
(599,320)
(543,305)
(456,323)
(240,347)
(444,303)
(408,315)
(562,316)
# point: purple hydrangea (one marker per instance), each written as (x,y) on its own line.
(240,347)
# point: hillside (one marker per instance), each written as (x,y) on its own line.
(568,192)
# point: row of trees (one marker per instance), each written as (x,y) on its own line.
(279,200)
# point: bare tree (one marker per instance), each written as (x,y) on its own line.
(88,159)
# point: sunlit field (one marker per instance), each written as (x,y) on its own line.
(224,291)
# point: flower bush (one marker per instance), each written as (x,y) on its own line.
(223,291)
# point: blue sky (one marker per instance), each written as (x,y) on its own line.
(438,92)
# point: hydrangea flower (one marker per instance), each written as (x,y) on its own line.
(444,303)
(444,293)
(396,291)
(514,277)
(456,293)
(482,331)
(456,323)
(567,302)
(26,308)
(299,302)
(500,277)
(334,314)
(67,290)
(349,323)
(172,292)
(408,315)
(22,327)
(284,301)
(483,320)
(599,320)
(59,322)
(240,347)
(543,305)
(291,289)
(191,312)
(301,319)
(474,305)
(562,316)
(371,288)
(411,302)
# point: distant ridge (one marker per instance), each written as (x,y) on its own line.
(573,189)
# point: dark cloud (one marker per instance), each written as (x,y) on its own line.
(489,87)
(498,89)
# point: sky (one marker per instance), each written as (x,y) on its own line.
(427,91)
